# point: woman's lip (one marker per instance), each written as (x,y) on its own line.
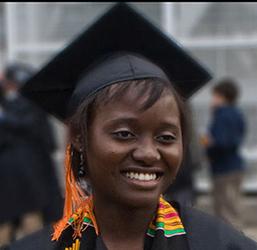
(142,184)
(145,170)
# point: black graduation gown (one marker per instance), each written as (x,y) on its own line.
(204,232)
(26,172)
(55,202)
(21,188)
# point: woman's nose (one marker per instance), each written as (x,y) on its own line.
(146,153)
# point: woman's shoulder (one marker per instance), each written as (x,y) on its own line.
(40,240)
(205,231)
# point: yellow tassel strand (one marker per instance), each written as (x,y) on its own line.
(75,245)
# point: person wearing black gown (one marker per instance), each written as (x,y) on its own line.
(119,87)
(28,180)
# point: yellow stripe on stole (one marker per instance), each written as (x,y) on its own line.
(75,245)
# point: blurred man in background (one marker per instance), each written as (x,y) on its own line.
(226,134)
(28,193)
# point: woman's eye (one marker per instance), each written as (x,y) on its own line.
(123,134)
(166,138)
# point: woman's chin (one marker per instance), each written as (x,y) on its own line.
(139,199)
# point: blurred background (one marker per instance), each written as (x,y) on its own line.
(223,36)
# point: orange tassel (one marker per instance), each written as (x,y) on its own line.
(74,198)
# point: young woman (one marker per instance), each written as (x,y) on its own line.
(127,137)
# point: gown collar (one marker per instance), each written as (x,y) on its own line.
(166,223)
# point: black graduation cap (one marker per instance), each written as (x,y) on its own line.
(121,45)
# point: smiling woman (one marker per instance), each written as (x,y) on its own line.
(127,129)
(142,154)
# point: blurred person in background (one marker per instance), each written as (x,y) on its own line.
(225,136)
(1,90)
(27,180)
(1,108)
(182,190)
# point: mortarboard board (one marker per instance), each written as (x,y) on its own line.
(120,45)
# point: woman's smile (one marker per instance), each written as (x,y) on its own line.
(146,178)
(142,181)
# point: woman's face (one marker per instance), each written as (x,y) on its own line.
(134,155)
(217,100)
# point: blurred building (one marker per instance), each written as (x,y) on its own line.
(223,35)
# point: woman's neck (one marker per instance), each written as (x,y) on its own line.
(121,225)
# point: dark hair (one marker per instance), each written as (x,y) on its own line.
(152,88)
(228,88)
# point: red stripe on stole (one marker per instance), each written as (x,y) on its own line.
(169,215)
(161,205)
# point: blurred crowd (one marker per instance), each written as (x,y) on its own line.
(30,195)
(29,191)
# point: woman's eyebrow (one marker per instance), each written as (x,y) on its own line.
(130,120)
(122,120)
(171,125)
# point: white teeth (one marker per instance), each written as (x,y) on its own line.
(141,176)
